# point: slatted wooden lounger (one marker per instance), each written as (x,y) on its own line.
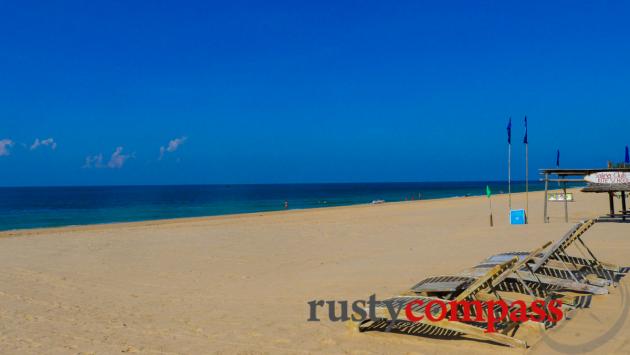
(587,263)
(439,329)
(555,262)
(521,280)
(445,328)
(453,288)
(557,255)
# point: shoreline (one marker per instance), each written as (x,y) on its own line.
(169,221)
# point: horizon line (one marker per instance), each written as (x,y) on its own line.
(278,183)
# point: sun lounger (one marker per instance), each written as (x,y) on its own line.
(555,261)
(455,288)
(438,329)
(520,280)
(446,328)
(547,272)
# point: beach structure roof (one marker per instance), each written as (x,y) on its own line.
(580,172)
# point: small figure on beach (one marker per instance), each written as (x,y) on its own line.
(286,204)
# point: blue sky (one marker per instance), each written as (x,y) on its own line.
(272,92)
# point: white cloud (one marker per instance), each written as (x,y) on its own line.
(5,144)
(45,142)
(94,161)
(116,161)
(172,146)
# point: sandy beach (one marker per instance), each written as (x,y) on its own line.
(240,284)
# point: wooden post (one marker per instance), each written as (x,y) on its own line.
(490,202)
(623,205)
(612,204)
(566,203)
(546,188)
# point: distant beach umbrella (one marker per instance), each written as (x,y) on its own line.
(627,161)
(525,138)
(558,158)
(509,131)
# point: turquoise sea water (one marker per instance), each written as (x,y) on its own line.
(30,207)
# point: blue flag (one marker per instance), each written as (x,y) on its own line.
(558,159)
(627,156)
(525,138)
(509,131)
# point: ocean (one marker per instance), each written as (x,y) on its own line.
(33,207)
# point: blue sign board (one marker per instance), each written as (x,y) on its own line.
(518,217)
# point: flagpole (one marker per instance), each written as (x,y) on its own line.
(509,139)
(510,175)
(526,181)
(526,141)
